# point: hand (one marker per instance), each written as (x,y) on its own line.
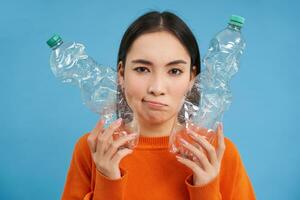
(106,152)
(205,167)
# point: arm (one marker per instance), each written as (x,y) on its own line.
(78,181)
(232,183)
(204,183)
(209,191)
(235,182)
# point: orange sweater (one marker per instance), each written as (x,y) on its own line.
(152,172)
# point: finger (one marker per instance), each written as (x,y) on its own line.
(199,154)
(92,138)
(198,129)
(112,128)
(121,154)
(221,142)
(118,143)
(192,165)
(105,140)
(107,144)
(207,146)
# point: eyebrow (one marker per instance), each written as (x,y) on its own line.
(146,62)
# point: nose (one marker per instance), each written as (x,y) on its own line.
(156,86)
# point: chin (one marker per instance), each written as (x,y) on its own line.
(155,119)
(152,116)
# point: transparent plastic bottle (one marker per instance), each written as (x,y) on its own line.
(221,63)
(98,84)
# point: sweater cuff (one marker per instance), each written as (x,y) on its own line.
(209,191)
(106,188)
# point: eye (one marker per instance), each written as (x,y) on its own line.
(140,69)
(176,71)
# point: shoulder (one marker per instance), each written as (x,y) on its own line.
(230,146)
(81,149)
(231,164)
(81,163)
(82,141)
(231,155)
(234,179)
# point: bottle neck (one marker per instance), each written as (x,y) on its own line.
(57,45)
(234,27)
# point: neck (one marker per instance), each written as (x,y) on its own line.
(157,129)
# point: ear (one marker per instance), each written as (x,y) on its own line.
(121,74)
(193,77)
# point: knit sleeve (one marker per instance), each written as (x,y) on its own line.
(78,180)
(106,188)
(235,182)
(232,183)
(210,191)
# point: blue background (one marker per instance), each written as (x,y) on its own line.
(41,119)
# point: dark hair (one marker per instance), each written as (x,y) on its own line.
(155,21)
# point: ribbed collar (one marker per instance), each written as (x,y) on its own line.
(161,142)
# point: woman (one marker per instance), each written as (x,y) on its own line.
(157,61)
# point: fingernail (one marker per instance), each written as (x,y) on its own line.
(193,134)
(179,157)
(130,151)
(119,121)
(183,141)
(220,125)
(133,134)
(191,131)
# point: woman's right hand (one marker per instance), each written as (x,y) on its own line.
(106,152)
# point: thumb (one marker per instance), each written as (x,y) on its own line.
(92,138)
(121,154)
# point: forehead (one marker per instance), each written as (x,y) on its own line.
(159,47)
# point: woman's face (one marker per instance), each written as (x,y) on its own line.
(157,69)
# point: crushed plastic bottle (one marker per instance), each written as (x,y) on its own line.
(98,84)
(221,63)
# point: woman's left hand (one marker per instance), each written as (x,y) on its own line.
(207,167)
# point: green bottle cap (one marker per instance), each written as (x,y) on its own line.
(237,20)
(54,40)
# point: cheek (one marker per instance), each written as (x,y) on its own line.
(179,88)
(135,89)
(177,95)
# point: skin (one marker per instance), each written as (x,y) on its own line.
(155,79)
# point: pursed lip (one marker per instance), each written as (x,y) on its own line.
(156,102)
